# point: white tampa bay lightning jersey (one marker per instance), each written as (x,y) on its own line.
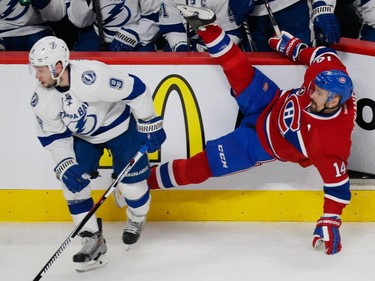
(173,25)
(141,16)
(95,107)
(366,9)
(278,5)
(18,20)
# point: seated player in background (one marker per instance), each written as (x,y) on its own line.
(121,26)
(312,21)
(366,10)
(180,37)
(23,23)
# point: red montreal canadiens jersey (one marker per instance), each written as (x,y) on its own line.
(289,132)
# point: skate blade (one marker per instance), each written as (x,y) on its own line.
(201,13)
(127,247)
(92,265)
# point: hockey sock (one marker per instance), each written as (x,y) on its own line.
(180,172)
(79,209)
(333,207)
(235,64)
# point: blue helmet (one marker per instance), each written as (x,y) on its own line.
(336,82)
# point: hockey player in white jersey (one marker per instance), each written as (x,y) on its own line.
(23,25)
(366,10)
(81,108)
(173,25)
(115,25)
(313,21)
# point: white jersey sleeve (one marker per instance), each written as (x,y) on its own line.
(366,9)
(140,16)
(172,24)
(275,5)
(54,11)
(81,13)
(146,25)
(18,20)
(51,131)
(278,5)
(99,82)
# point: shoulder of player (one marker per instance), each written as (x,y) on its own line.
(85,73)
(45,95)
(45,100)
(91,71)
(93,80)
(215,4)
(82,65)
(97,74)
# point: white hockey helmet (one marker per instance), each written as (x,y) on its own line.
(48,51)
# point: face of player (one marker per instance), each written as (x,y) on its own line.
(43,74)
(319,102)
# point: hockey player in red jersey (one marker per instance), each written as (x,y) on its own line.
(310,125)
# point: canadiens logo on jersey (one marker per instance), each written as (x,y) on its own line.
(88,77)
(289,119)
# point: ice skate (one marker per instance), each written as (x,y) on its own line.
(133,230)
(91,256)
(92,265)
(197,17)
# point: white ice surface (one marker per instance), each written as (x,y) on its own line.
(192,251)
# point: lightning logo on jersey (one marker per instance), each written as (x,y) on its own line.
(88,77)
(75,117)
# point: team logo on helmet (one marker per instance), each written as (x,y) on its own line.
(34,100)
(342,80)
(88,77)
(53,45)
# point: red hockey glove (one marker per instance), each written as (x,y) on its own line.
(287,44)
(327,231)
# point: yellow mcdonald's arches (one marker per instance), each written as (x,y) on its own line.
(174,83)
(195,139)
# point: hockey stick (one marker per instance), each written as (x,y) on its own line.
(99,22)
(96,206)
(272,18)
(248,36)
(188,40)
